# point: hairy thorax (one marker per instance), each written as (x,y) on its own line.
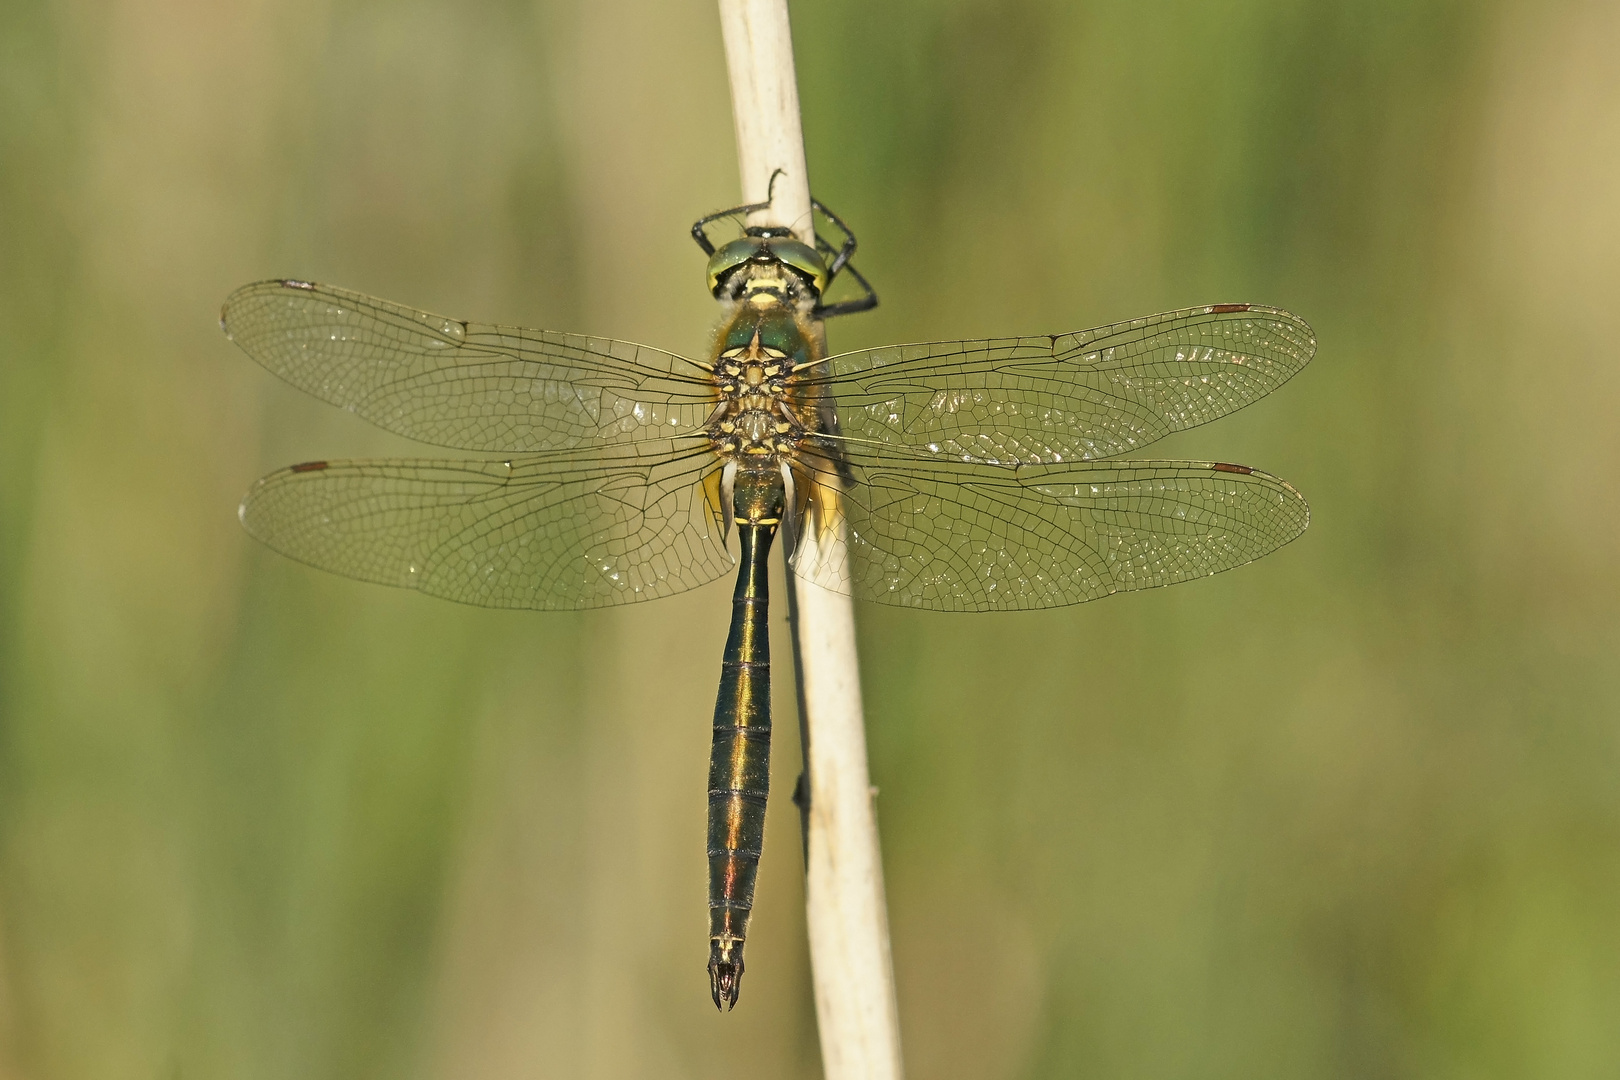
(765,349)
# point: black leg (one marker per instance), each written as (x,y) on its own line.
(703,223)
(850,307)
(845,252)
(840,261)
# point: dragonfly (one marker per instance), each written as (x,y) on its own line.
(974,475)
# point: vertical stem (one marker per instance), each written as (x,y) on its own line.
(848,922)
(765,108)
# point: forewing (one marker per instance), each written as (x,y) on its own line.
(556,532)
(978,538)
(1073,397)
(500,389)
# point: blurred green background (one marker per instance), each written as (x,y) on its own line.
(1353,811)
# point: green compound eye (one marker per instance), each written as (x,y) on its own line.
(802,259)
(731,256)
(798,257)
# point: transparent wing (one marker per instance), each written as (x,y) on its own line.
(1074,397)
(499,389)
(556,532)
(965,537)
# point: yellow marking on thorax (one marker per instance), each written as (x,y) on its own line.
(759,415)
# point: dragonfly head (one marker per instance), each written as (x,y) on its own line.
(765,251)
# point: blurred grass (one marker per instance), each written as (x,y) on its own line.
(1350,812)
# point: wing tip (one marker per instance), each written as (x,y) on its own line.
(255,288)
(1307,333)
(1285,487)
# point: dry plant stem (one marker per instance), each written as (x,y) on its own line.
(848,922)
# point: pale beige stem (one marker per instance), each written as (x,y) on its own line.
(848,922)
(765,106)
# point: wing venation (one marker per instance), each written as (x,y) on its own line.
(979,538)
(550,532)
(1083,396)
(472,386)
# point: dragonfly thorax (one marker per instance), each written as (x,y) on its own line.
(755,418)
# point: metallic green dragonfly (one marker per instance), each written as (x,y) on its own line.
(978,475)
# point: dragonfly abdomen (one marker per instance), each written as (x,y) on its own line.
(740,763)
(739,767)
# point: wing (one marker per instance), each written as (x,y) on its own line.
(556,532)
(1075,397)
(965,537)
(499,389)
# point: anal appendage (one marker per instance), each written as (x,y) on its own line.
(725,972)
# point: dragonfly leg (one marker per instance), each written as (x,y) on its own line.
(840,261)
(701,225)
(841,254)
(850,307)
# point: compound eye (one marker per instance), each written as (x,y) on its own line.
(802,259)
(731,256)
